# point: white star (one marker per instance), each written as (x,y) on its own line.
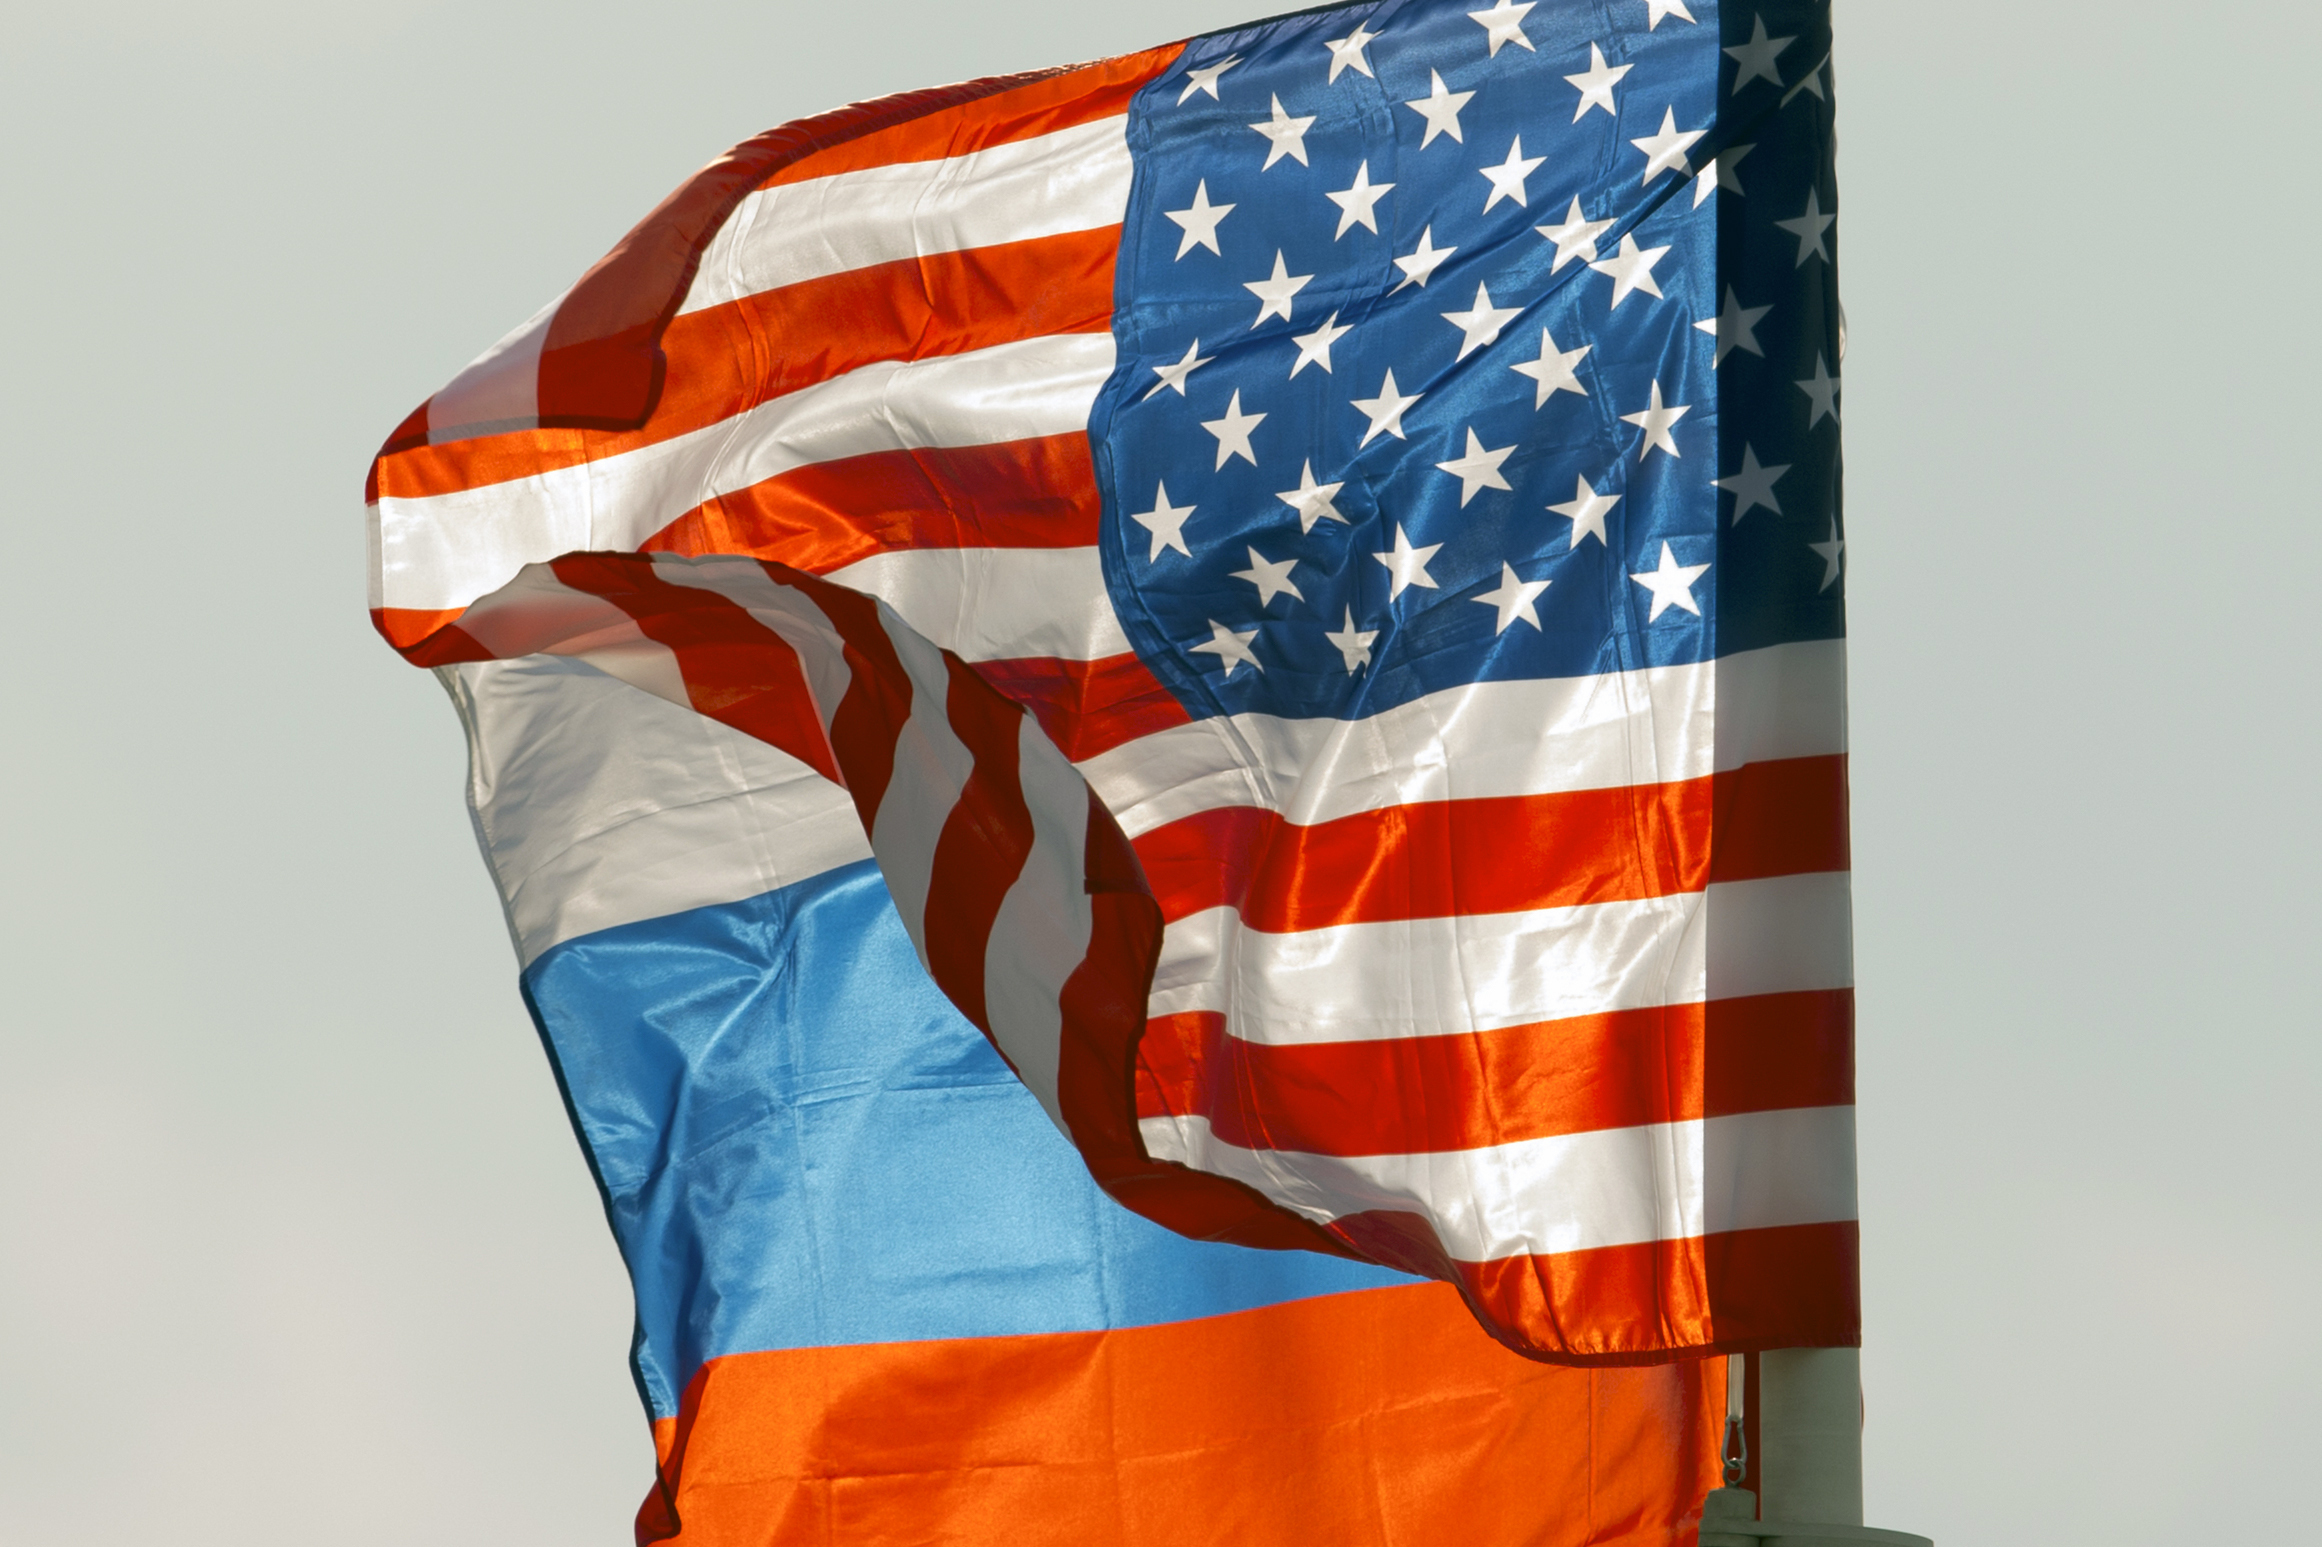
(1821,390)
(1507,179)
(1272,579)
(1553,370)
(1233,431)
(1440,107)
(1757,56)
(1811,81)
(1386,410)
(1671,584)
(1513,599)
(1587,510)
(1656,9)
(1480,324)
(1408,565)
(1666,147)
(1808,229)
(1356,205)
(1576,238)
(1734,328)
(1199,220)
(1234,648)
(1654,421)
(1274,294)
(1166,522)
(1478,469)
(1830,548)
(1726,164)
(1753,485)
(1631,269)
(1347,52)
(1596,84)
(1173,376)
(1312,500)
(1423,261)
(1354,645)
(1503,23)
(1720,173)
(1286,136)
(1314,347)
(1205,79)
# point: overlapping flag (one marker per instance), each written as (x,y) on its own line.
(1267,612)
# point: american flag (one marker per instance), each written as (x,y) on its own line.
(1389,455)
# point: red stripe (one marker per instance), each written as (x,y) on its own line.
(1087,707)
(1442,859)
(726,360)
(1104,1006)
(1797,1286)
(1781,818)
(1418,1095)
(982,847)
(871,713)
(409,628)
(1015,494)
(737,671)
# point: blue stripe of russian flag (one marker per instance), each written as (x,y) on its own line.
(803,1144)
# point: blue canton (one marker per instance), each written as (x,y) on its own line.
(1470,344)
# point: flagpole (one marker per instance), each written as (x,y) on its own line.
(1809,1461)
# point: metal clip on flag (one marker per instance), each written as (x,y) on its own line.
(1806,1463)
(1299,576)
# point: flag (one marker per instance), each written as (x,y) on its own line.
(1309,561)
(878,1296)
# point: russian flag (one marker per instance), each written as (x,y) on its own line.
(879,1298)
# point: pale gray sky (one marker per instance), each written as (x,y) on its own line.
(294,1244)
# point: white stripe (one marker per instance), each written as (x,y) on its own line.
(932,766)
(1076,179)
(1437,976)
(443,551)
(998,604)
(598,805)
(1654,726)
(1782,935)
(1040,933)
(500,389)
(1570,1192)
